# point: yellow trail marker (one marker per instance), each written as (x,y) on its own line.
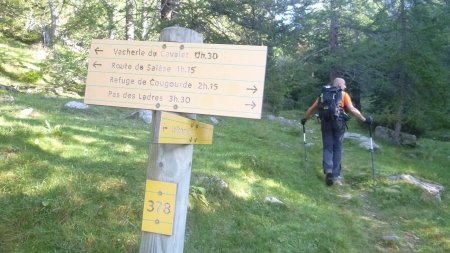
(159,207)
(175,129)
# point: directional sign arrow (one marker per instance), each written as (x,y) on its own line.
(252,105)
(254,89)
(98,50)
(96,64)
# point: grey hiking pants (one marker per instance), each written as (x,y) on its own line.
(332,138)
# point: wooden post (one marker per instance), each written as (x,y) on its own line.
(171,163)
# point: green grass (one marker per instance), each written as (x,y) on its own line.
(73,181)
(20,64)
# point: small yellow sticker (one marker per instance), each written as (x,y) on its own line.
(159,207)
(175,129)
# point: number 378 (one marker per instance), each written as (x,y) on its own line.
(157,206)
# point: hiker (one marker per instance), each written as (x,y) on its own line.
(332,104)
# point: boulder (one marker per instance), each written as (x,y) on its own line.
(59,90)
(7,99)
(387,134)
(283,121)
(364,141)
(273,200)
(76,105)
(432,188)
(26,112)
(212,182)
(145,115)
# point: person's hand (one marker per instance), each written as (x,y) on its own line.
(303,121)
(369,120)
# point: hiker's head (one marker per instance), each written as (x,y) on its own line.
(339,82)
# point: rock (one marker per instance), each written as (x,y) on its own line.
(283,121)
(14,88)
(391,237)
(213,181)
(59,90)
(214,120)
(271,117)
(146,115)
(433,189)
(50,96)
(387,134)
(364,141)
(7,99)
(76,105)
(26,112)
(346,196)
(286,122)
(273,200)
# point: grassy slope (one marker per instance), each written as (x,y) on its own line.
(73,182)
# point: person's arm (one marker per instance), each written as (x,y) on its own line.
(312,108)
(355,112)
(348,107)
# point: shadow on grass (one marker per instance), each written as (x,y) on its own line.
(71,203)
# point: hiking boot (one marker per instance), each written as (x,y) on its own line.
(339,181)
(329,179)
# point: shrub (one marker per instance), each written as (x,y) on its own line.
(30,77)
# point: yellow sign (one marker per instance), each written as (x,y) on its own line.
(176,129)
(159,207)
(226,80)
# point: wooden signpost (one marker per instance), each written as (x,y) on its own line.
(181,75)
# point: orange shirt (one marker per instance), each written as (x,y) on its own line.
(346,100)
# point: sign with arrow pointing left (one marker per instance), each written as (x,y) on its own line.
(175,129)
(213,79)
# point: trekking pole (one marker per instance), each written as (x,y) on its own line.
(304,142)
(371,150)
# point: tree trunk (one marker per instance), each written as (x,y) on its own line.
(334,31)
(53,25)
(144,19)
(355,89)
(402,75)
(401,103)
(168,9)
(129,20)
(110,17)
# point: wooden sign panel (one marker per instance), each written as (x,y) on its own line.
(226,80)
(159,207)
(175,129)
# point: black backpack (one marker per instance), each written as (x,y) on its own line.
(330,98)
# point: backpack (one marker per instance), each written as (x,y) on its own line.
(330,98)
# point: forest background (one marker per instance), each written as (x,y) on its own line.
(394,54)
